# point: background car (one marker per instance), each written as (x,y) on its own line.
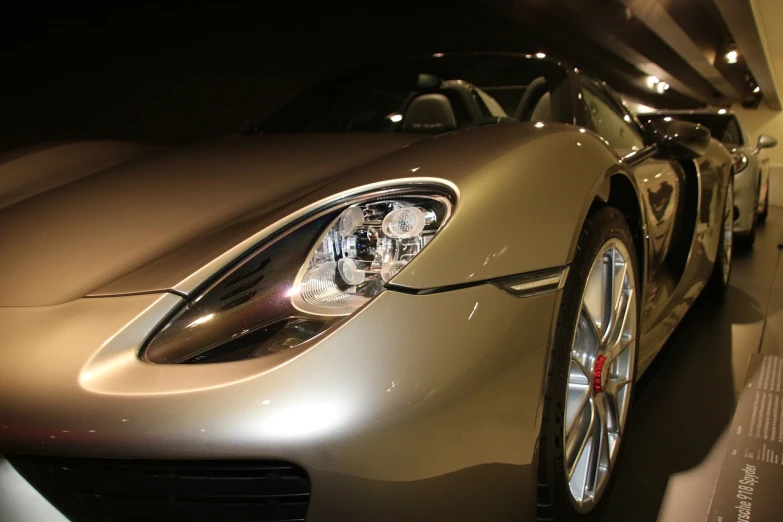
(422,290)
(751,172)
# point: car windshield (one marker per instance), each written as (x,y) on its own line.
(723,127)
(432,94)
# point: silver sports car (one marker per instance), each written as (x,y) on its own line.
(751,175)
(422,290)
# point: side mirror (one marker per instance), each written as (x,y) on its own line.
(682,140)
(765,141)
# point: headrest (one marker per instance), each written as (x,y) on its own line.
(542,110)
(530,97)
(430,113)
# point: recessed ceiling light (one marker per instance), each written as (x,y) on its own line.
(732,56)
(540,55)
(757,89)
(652,81)
(722,111)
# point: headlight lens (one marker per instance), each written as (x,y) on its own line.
(363,248)
(302,282)
(740,161)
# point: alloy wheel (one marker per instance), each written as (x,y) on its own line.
(600,374)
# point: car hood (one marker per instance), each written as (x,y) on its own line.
(65,242)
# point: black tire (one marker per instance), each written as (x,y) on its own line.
(553,496)
(744,242)
(762,218)
(718,284)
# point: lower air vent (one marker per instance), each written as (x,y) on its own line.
(107,490)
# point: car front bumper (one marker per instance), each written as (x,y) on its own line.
(418,407)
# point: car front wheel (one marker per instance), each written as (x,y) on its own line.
(591,372)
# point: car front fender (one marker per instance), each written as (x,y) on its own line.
(518,212)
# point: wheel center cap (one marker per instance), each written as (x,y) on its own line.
(598,374)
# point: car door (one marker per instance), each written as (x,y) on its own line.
(661,185)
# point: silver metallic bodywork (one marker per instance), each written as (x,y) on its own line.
(399,426)
(751,183)
(408,423)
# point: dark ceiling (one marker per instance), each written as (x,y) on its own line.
(174,73)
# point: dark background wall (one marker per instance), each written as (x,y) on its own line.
(175,73)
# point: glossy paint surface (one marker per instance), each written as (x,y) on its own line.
(750,182)
(458,399)
(415,397)
(74,238)
(668,294)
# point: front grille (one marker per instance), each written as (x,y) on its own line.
(109,490)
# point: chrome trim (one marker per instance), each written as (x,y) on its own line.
(199,277)
(637,157)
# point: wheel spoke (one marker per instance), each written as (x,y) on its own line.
(583,369)
(611,413)
(579,437)
(614,386)
(620,269)
(578,400)
(613,353)
(595,302)
(619,319)
(599,457)
(587,338)
(606,456)
(608,262)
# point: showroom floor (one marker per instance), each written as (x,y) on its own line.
(684,404)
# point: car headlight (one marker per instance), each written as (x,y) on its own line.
(303,280)
(740,161)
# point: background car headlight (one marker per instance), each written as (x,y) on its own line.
(304,280)
(740,161)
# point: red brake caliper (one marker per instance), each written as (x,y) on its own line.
(597,372)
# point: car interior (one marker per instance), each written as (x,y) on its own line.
(456,104)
